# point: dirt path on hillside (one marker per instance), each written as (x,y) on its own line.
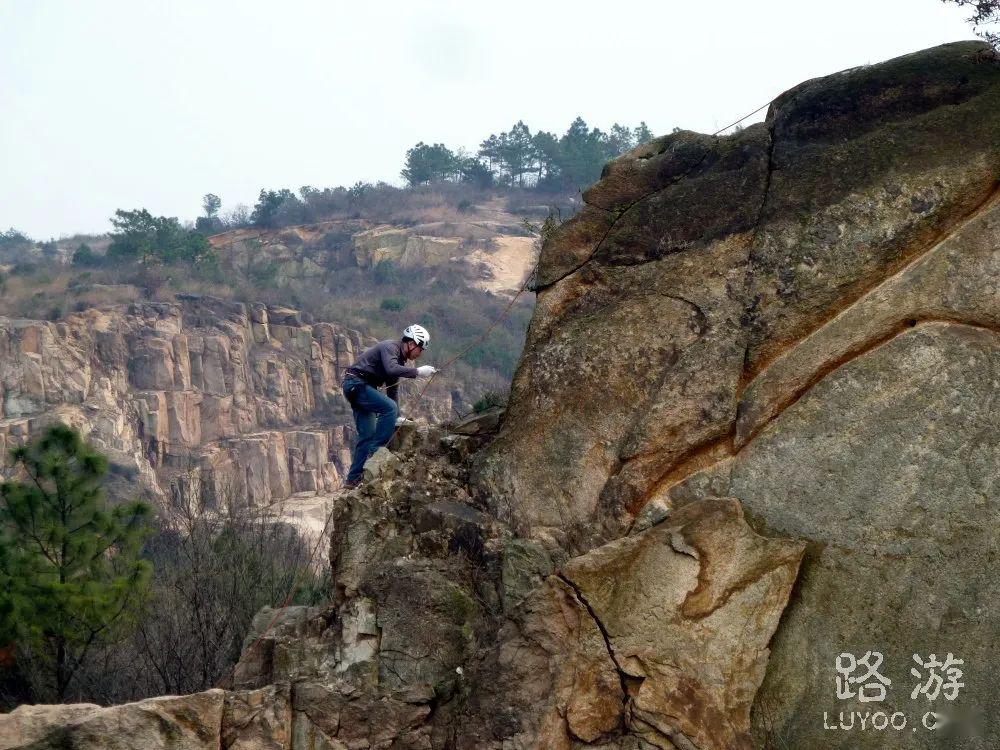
(510,264)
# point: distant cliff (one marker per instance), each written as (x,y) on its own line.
(193,398)
(489,249)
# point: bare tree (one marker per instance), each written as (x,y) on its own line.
(214,568)
(985,18)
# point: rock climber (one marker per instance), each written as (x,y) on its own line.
(376,414)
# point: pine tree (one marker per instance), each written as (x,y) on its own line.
(69,567)
(211,203)
(517,152)
(490,150)
(583,153)
(547,149)
(642,134)
(429,163)
(985,18)
(620,139)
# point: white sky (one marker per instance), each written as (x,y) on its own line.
(109,104)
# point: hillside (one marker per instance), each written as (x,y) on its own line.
(195,396)
(455,271)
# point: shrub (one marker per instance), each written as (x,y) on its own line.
(81,282)
(23,268)
(263,274)
(490,400)
(214,568)
(394,304)
(386,272)
(85,257)
(13,238)
(140,236)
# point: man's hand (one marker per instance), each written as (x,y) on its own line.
(425,371)
(400,420)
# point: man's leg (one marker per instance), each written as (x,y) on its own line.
(386,427)
(365,423)
(375,405)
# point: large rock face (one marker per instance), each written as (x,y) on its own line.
(889,467)
(699,262)
(805,317)
(448,631)
(190,722)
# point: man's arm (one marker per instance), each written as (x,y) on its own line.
(393,369)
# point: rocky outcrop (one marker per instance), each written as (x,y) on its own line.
(490,248)
(448,630)
(804,317)
(190,722)
(403,246)
(705,270)
(193,399)
(888,466)
(286,256)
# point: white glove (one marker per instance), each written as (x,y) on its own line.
(400,420)
(425,371)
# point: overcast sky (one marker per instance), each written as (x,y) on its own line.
(123,104)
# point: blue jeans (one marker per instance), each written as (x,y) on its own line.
(375,417)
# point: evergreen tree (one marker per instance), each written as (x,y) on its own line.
(517,152)
(620,139)
(277,208)
(210,223)
(642,134)
(490,150)
(548,154)
(143,237)
(14,240)
(85,257)
(429,164)
(69,566)
(211,203)
(985,18)
(474,172)
(582,154)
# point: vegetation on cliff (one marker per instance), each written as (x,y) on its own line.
(542,160)
(69,567)
(105,602)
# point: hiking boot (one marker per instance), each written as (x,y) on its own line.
(351,484)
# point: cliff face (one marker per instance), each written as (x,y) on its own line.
(192,399)
(754,429)
(489,248)
(700,267)
(805,317)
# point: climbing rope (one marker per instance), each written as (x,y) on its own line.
(745,117)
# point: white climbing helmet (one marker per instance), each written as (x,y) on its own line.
(418,334)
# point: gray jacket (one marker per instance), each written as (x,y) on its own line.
(383,364)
